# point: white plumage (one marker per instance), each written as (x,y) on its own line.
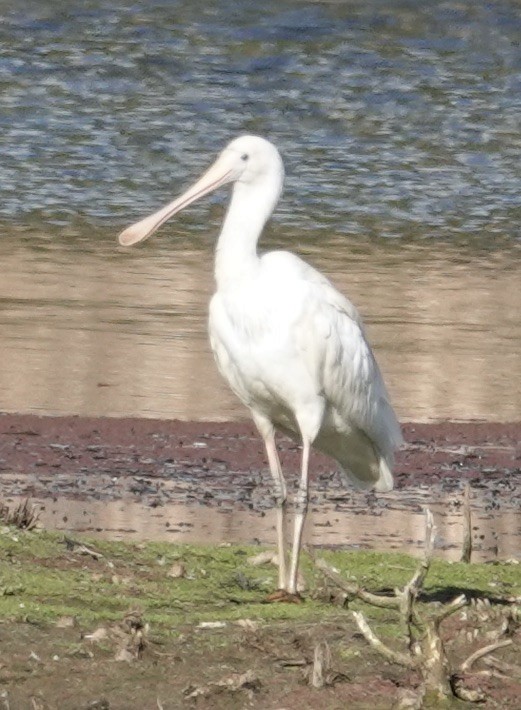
(291,347)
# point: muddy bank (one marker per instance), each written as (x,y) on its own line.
(76,446)
(157,479)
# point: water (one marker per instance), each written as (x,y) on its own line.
(397,121)
(336,519)
(125,332)
(399,127)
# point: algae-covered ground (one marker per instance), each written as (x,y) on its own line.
(96,624)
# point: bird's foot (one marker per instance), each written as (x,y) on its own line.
(285,597)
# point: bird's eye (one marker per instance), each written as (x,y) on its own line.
(245,157)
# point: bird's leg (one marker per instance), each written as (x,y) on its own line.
(281,502)
(301,507)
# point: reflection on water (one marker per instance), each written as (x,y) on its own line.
(125,332)
(399,527)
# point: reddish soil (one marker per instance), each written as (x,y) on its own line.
(86,447)
(155,463)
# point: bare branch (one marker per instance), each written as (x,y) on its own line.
(403,599)
(466,552)
(418,578)
(469,662)
(467,694)
(407,597)
(507,668)
(395,656)
(454,606)
(425,648)
(84,550)
(24,516)
(353,590)
(321,664)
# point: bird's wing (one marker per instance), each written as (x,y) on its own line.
(330,335)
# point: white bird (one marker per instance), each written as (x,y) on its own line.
(292,348)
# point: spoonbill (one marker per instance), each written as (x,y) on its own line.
(291,347)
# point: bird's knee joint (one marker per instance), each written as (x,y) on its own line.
(280,501)
(301,500)
(280,496)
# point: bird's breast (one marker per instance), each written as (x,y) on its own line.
(256,351)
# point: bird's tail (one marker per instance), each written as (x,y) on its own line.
(385,481)
(362,464)
(377,476)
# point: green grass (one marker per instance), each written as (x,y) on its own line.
(41,580)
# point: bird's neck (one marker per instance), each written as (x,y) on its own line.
(250,207)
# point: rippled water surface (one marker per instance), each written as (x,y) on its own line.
(399,126)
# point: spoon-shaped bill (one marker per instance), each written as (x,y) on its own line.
(218,174)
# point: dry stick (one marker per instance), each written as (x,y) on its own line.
(418,578)
(466,552)
(396,602)
(395,656)
(84,550)
(429,657)
(353,590)
(432,661)
(454,606)
(467,665)
(508,668)
(321,663)
(408,595)
(404,600)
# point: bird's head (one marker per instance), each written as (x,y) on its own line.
(248,160)
(251,159)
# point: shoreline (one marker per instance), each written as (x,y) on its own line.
(146,479)
(46,444)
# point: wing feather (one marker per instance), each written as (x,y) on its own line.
(330,334)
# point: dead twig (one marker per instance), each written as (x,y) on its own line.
(321,664)
(466,552)
(509,669)
(426,652)
(402,659)
(353,591)
(453,606)
(481,652)
(248,681)
(81,548)
(408,595)
(24,516)
(418,578)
